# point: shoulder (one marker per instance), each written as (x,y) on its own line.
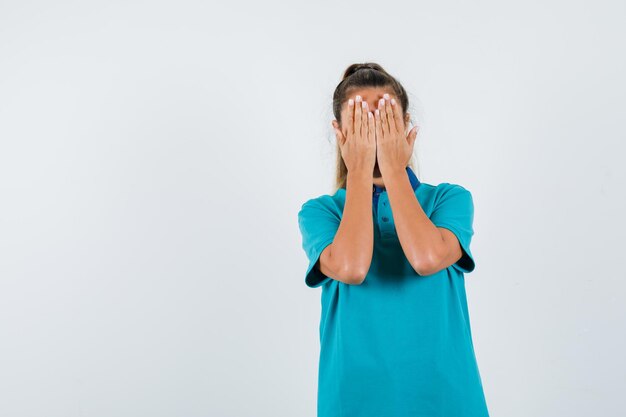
(451,188)
(443,190)
(446,196)
(332,203)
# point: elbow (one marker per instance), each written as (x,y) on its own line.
(424,266)
(351,269)
(353,275)
(424,270)
(358,277)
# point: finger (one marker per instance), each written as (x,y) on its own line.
(412,136)
(383,116)
(397,115)
(358,114)
(371,128)
(379,125)
(350,119)
(389,113)
(364,122)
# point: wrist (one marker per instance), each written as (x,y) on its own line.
(360,176)
(392,172)
(361,173)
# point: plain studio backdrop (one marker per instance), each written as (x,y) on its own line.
(154,156)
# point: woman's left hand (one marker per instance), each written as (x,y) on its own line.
(393,148)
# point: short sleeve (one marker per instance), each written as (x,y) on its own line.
(318,226)
(454,211)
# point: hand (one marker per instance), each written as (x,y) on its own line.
(393,147)
(357,136)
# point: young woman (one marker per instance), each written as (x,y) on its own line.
(390,253)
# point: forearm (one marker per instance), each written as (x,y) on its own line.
(353,245)
(421,241)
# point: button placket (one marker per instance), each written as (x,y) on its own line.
(385,220)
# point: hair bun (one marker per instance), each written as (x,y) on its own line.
(367,65)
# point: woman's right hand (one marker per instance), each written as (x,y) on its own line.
(357,136)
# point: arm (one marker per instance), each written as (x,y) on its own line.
(347,252)
(349,257)
(428,248)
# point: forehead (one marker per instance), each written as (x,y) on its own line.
(370,94)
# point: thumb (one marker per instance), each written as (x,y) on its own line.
(338,134)
(413,135)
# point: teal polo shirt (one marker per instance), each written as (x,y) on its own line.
(400,343)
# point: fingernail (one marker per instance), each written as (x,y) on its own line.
(393,101)
(386,96)
(350,102)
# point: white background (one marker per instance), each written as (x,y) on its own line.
(154,156)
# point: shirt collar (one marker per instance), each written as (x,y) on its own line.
(415,182)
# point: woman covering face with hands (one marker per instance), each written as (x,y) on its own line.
(390,253)
(381,142)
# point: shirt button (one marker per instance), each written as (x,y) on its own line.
(385,219)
